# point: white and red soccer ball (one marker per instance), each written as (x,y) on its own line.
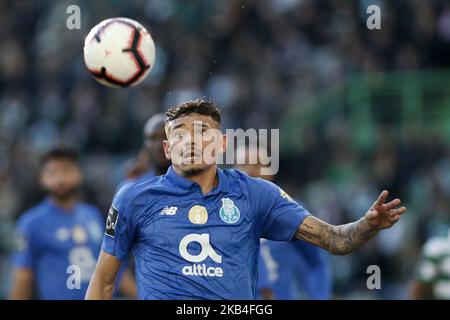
(119,52)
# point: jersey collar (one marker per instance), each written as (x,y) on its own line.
(184,183)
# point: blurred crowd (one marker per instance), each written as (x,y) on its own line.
(258,60)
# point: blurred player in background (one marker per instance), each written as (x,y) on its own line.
(151,160)
(58,241)
(286,271)
(433,271)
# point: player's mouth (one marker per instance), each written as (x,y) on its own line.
(192,157)
(192,154)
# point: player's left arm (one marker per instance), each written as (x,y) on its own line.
(343,239)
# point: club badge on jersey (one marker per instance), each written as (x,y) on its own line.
(229,213)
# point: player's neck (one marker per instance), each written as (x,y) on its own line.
(206,179)
(65,203)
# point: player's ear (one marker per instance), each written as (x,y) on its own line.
(166,147)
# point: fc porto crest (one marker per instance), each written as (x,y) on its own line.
(229,213)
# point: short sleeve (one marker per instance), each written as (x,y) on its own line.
(120,227)
(24,245)
(279,216)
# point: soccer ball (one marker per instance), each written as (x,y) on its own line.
(119,52)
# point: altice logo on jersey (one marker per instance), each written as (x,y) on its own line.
(207,251)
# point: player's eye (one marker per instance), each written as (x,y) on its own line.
(207,131)
(179,135)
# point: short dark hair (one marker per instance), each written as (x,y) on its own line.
(60,153)
(207,108)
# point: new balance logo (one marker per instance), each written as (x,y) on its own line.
(168,211)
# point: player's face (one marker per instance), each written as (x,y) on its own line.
(193,143)
(154,145)
(61,178)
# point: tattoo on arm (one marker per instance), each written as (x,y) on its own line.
(339,240)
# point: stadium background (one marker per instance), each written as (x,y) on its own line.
(358,110)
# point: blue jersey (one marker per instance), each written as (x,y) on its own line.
(189,245)
(59,246)
(294,270)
